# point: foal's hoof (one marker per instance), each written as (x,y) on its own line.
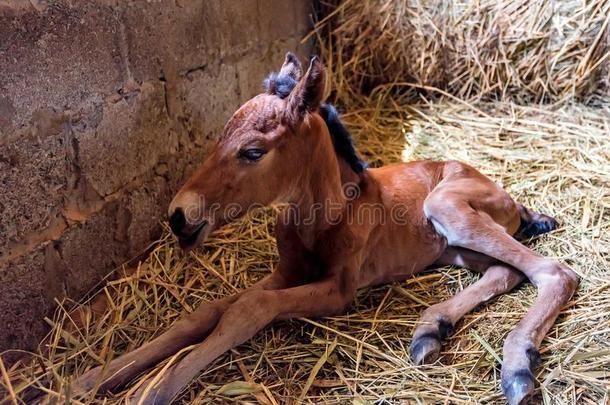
(518,386)
(425,349)
(541,224)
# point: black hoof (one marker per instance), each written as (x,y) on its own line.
(544,226)
(538,227)
(425,349)
(518,386)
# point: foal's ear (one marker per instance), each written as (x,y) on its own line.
(307,94)
(291,67)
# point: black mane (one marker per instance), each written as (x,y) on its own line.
(342,139)
(281,86)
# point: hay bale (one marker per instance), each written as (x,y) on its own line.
(519,50)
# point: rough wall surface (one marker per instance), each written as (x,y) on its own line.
(105,108)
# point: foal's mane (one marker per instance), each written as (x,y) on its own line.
(282,85)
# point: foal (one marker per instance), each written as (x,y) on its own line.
(346,227)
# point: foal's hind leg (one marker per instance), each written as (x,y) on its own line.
(437,321)
(453,216)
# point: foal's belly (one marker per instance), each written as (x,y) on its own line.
(406,242)
(400,253)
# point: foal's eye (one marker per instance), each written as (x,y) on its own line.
(252,155)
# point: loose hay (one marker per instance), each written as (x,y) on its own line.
(554,160)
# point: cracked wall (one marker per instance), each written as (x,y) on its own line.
(105,108)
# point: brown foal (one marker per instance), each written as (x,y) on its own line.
(345,227)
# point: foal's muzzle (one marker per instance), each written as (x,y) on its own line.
(188,234)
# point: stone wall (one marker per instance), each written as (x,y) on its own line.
(105,108)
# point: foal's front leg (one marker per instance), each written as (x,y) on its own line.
(186,331)
(249,314)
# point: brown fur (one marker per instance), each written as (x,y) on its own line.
(451,214)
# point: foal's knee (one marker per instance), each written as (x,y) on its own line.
(249,313)
(556,275)
(569,279)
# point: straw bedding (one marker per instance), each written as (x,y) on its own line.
(553,158)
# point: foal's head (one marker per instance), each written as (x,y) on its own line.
(262,155)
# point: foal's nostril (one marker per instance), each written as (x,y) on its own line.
(177,221)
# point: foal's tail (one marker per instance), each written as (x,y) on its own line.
(533,223)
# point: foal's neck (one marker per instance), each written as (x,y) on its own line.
(322,200)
